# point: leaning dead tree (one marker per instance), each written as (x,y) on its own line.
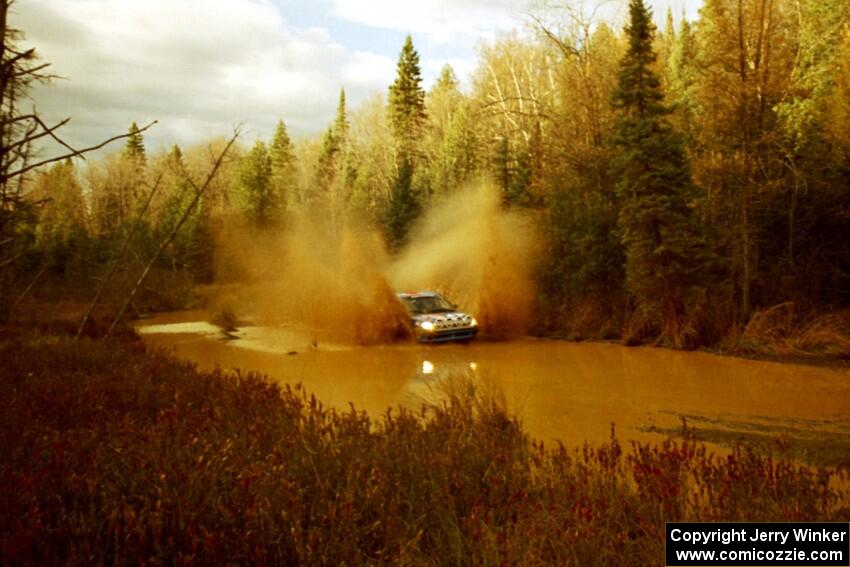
(117,259)
(22,131)
(199,191)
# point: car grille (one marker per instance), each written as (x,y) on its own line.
(453,323)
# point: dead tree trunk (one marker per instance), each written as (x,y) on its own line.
(116,261)
(198,193)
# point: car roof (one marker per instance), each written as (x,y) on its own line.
(411,294)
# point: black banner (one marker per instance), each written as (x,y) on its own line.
(762,544)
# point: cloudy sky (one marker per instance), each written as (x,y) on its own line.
(202,66)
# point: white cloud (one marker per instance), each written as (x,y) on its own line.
(443,21)
(368,68)
(465,21)
(198,66)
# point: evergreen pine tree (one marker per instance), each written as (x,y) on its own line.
(501,166)
(281,148)
(518,188)
(665,251)
(447,81)
(135,147)
(333,153)
(282,158)
(196,246)
(341,125)
(407,102)
(345,172)
(403,206)
(327,164)
(175,158)
(255,175)
(407,120)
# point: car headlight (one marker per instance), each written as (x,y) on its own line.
(427,326)
(473,322)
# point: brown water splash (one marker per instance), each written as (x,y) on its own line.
(479,254)
(329,283)
(340,284)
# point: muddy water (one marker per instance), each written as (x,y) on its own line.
(565,391)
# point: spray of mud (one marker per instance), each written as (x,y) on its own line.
(340,284)
(328,283)
(479,255)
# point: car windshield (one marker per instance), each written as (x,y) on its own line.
(427,304)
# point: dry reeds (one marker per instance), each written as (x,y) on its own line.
(780,331)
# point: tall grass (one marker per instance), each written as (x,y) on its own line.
(782,331)
(110,454)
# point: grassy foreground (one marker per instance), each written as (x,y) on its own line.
(111,454)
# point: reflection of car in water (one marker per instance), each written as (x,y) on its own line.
(434,380)
(436,320)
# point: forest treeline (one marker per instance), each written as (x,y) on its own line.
(682,178)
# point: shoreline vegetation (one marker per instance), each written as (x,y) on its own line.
(51,316)
(111,453)
(820,341)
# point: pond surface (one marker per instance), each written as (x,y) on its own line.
(571,392)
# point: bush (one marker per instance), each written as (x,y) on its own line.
(111,454)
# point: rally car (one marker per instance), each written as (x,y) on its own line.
(435,319)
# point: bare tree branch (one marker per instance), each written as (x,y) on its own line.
(33,72)
(10,260)
(76,153)
(30,286)
(18,56)
(59,140)
(46,131)
(14,119)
